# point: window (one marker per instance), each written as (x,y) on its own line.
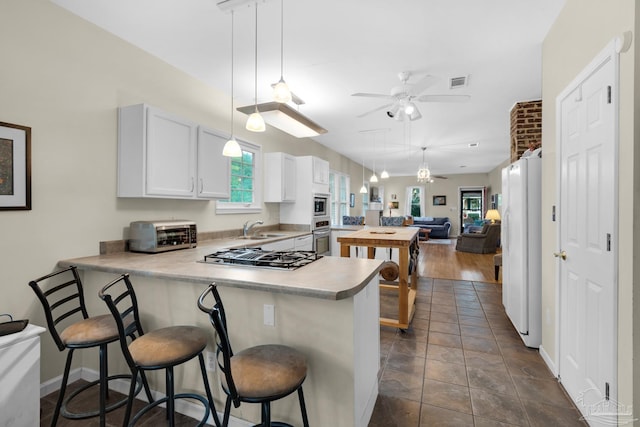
(245,183)
(415,201)
(338,187)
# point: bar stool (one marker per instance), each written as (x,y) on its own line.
(64,302)
(260,374)
(159,349)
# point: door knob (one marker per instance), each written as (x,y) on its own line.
(561,254)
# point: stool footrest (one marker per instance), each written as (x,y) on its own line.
(82,415)
(155,403)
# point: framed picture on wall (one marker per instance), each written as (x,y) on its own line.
(15,167)
(439,200)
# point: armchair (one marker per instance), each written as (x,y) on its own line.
(484,242)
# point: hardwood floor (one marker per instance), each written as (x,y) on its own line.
(442,261)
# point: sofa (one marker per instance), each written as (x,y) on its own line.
(439,226)
(485,242)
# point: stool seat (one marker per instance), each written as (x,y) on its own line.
(497,262)
(91,331)
(268,370)
(168,346)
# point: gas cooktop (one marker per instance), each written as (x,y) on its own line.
(256,257)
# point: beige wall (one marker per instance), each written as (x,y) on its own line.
(582,30)
(65,78)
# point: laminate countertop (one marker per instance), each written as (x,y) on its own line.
(332,278)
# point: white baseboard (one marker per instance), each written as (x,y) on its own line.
(552,366)
(184,407)
(371,403)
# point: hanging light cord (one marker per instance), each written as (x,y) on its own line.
(281,40)
(255,95)
(232,21)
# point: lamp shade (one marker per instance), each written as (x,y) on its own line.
(255,122)
(232,148)
(493,215)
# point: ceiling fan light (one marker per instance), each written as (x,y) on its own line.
(410,108)
(255,122)
(232,148)
(384,174)
(281,92)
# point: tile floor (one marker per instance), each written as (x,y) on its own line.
(463,364)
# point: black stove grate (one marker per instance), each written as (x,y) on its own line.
(256,257)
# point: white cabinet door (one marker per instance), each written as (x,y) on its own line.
(213,168)
(279,177)
(320,171)
(304,243)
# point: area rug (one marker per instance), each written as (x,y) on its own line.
(438,241)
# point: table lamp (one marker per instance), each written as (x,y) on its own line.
(390,206)
(493,215)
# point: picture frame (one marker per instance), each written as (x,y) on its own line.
(439,200)
(15,167)
(352,200)
(395,205)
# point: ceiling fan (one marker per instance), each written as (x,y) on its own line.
(403,98)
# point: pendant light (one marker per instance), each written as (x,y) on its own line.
(374,177)
(384,174)
(363,189)
(281,92)
(231,147)
(255,122)
(424,174)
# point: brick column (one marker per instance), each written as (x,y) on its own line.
(526,126)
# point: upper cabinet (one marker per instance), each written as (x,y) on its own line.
(279,177)
(320,171)
(164,156)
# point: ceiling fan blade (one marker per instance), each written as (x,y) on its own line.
(443,98)
(374,110)
(439,177)
(421,85)
(373,95)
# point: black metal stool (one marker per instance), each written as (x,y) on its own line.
(259,374)
(64,305)
(160,349)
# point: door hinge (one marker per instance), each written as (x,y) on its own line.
(606,391)
(608,94)
(608,242)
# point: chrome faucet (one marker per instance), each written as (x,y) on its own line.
(247,227)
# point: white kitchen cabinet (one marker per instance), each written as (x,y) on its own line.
(160,155)
(280,245)
(304,243)
(320,171)
(279,177)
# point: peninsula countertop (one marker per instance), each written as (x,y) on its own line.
(332,278)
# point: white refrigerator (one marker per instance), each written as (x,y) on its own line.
(521,247)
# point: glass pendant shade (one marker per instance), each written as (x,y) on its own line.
(384,174)
(374,178)
(232,148)
(281,92)
(255,122)
(424,174)
(363,189)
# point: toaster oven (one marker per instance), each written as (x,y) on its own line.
(161,236)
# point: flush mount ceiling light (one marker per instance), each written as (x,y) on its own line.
(255,122)
(281,92)
(231,147)
(424,174)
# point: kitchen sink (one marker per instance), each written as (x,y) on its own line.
(253,237)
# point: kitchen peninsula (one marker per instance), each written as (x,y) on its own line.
(328,309)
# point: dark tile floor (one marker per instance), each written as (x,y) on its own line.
(462,364)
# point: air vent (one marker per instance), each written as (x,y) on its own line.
(456,82)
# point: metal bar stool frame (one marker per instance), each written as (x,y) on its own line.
(72,303)
(224,355)
(124,308)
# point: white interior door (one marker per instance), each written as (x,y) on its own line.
(587,276)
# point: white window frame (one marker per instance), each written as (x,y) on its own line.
(224,207)
(335,199)
(407,206)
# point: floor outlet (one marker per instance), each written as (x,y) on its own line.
(210,361)
(269,315)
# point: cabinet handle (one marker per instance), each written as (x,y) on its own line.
(201,185)
(192,184)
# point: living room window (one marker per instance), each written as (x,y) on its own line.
(414,204)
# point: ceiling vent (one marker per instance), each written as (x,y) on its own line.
(456,82)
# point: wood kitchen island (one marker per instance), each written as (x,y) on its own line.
(402,238)
(328,309)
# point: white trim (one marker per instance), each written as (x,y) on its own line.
(547,359)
